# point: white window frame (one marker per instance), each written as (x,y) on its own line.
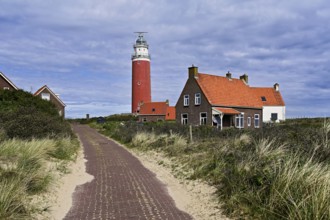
(6,88)
(239,120)
(186,100)
(184,121)
(203,120)
(45,96)
(198,99)
(249,121)
(256,120)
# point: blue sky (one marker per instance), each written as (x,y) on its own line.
(82,49)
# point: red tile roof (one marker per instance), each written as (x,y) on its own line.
(227,111)
(272,97)
(223,91)
(170,113)
(231,92)
(153,108)
(158,108)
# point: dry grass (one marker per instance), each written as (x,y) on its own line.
(24,173)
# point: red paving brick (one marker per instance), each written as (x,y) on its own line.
(122,189)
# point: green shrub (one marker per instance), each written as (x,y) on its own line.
(25,116)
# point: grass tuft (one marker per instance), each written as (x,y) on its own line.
(24,172)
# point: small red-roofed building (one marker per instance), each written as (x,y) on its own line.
(47,94)
(223,101)
(6,84)
(156,111)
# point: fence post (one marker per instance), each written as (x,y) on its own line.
(191,134)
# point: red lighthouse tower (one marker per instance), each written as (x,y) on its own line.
(141,86)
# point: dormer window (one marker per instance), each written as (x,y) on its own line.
(263,98)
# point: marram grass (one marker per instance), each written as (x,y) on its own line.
(24,172)
(278,172)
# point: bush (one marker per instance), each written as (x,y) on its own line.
(24,116)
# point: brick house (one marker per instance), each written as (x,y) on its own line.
(47,94)
(220,101)
(6,84)
(156,111)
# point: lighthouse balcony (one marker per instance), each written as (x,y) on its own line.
(136,56)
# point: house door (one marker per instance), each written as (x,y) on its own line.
(217,120)
(227,121)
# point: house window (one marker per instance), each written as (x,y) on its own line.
(144,119)
(263,98)
(198,99)
(256,121)
(153,109)
(45,96)
(274,117)
(184,119)
(5,88)
(240,121)
(249,121)
(186,100)
(203,117)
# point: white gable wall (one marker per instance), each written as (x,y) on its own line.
(268,110)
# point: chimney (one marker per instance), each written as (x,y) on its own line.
(167,102)
(193,72)
(245,78)
(276,87)
(228,75)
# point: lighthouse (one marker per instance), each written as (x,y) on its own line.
(141,85)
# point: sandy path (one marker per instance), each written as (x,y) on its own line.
(193,197)
(59,200)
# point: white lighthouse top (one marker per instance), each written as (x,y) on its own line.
(141,48)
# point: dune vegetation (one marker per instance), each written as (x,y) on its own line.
(34,143)
(279,172)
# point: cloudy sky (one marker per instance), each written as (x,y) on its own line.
(82,49)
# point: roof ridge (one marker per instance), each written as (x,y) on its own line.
(8,80)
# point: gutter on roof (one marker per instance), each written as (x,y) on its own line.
(231,106)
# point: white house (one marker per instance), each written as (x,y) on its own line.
(273,105)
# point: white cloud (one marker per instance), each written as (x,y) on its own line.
(83,50)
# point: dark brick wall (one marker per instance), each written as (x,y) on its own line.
(249,112)
(4,83)
(152,118)
(191,88)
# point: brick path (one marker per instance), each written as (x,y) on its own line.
(122,188)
